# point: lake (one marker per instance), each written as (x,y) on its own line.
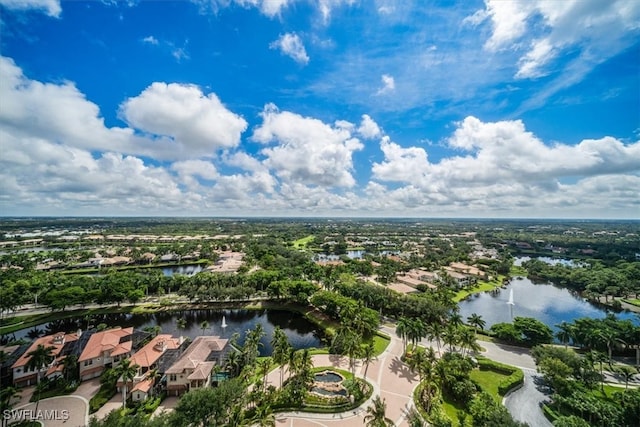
(545,302)
(301,332)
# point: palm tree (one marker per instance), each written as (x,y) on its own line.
(154,376)
(204,326)
(402,330)
(468,340)
(236,418)
(281,346)
(627,373)
(7,395)
(40,358)
(476,321)
(264,366)
(70,367)
(233,363)
(264,416)
(368,355)
(127,372)
(565,333)
(434,332)
(450,336)
(153,330)
(455,319)
(376,414)
(181,323)
(417,330)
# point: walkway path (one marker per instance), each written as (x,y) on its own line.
(390,377)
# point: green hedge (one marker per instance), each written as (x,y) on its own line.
(102,397)
(515,378)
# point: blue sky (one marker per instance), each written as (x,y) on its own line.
(320,108)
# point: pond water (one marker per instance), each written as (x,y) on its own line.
(187,270)
(300,332)
(328,377)
(552,261)
(545,302)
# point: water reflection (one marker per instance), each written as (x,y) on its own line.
(545,302)
(301,332)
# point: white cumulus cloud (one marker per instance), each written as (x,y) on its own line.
(198,122)
(291,45)
(597,30)
(307,150)
(369,129)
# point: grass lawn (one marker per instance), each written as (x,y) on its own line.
(452,409)
(380,343)
(489,381)
(302,243)
(633,301)
(517,270)
(481,286)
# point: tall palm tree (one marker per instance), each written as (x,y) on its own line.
(402,330)
(70,367)
(40,358)
(376,414)
(233,363)
(476,321)
(468,340)
(434,332)
(264,366)
(417,331)
(127,372)
(565,333)
(281,346)
(450,336)
(368,355)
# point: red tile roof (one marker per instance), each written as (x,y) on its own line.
(109,341)
(56,340)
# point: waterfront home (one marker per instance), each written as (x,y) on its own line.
(146,360)
(24,376)
(104,350)
(194,366)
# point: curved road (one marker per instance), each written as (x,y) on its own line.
(524,403)
(394,382)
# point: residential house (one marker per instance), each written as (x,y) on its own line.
(104,350)
(147,359)
(23,376)
(194,366)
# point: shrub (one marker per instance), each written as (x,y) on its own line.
(513,380)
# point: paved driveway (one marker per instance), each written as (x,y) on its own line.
(60,411)
(524,403)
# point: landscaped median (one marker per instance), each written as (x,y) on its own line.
(491,381)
